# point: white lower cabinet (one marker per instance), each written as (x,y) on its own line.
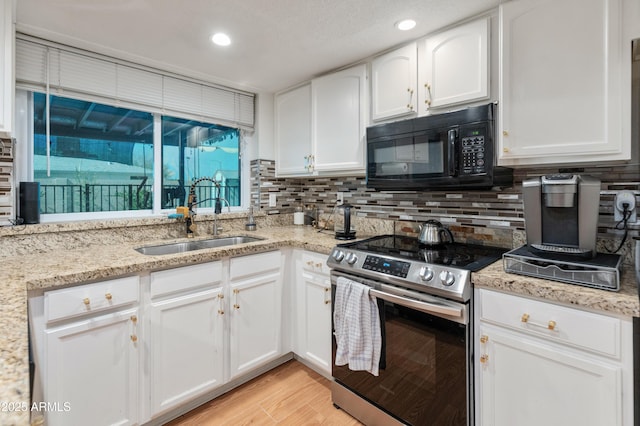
(87,353)
(255,312)
(313,310)
(130,350)
(538,363)
(186,334)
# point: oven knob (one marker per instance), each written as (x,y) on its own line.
(351,258)
(447,278)
(426,274)
(338,255)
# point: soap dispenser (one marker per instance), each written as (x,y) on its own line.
(251,224)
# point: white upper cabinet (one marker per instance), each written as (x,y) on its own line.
(320,127)
(6,67)
(293,131)
(453,66)
(393,83)
(339,119)
(561,85)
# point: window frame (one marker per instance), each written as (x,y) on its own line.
(24,133)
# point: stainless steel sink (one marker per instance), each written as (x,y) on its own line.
(173,248)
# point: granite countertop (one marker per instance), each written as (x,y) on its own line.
(40,272)
(624,302)
(60,268)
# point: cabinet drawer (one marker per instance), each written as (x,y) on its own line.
(315,262)
(254,264)
(90,298)
(599,333)
(186,278)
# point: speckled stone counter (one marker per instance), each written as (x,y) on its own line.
(624,302)
(35,272)
(59,268)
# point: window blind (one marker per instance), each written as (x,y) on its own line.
(89,76)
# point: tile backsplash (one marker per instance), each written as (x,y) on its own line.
(489,217)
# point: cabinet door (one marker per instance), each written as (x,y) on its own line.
(315,320)
(6,67)
(255,314)
(453,66)
(293,131)
(186,347)
(92,371)
(393,83)
(339,120)
(560,85)
(527,382)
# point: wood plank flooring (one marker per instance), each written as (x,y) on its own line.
(291,394)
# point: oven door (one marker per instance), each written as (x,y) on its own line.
(425,370)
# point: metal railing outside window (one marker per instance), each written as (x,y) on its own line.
(120,197)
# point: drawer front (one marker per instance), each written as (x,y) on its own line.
(595,332)
(315,262)
(186,278)
(90,298)
(246,266)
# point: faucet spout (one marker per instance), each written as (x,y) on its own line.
(218,209)
(192,202)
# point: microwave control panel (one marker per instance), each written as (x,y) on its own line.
(473,154)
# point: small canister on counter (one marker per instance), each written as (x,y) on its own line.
(310,214)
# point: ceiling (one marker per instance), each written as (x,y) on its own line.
(275,43)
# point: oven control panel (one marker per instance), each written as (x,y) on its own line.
(393,267)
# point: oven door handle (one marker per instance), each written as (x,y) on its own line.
(426,307)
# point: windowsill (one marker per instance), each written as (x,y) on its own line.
(75,225)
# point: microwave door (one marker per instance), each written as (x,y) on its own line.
(390,158)
(407,161)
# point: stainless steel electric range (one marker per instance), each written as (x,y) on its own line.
(425,306)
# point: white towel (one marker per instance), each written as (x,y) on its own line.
(357,327)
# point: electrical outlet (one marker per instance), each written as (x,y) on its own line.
(272,200)
(622,198)
(340,198)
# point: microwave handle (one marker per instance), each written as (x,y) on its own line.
(452,136)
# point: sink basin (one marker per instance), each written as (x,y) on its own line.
(173,248)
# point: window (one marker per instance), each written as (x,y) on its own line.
(124,136)
(192,150)
(101,158)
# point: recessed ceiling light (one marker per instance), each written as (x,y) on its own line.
(405,24)
(221,39)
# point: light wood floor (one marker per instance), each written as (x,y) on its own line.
(290,394)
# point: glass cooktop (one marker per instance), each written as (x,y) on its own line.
(471,257)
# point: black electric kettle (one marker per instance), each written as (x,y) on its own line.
(433,233)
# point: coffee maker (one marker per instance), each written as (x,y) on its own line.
(561,213)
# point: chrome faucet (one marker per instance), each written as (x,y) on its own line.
(192,202)
(217,210)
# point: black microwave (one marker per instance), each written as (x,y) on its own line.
(442,151)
